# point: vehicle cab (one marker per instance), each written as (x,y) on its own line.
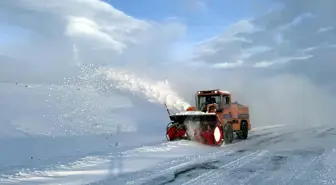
(212,99)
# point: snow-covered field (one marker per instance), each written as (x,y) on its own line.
(34,154)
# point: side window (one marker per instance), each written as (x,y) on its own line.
(218,99)
(226,100)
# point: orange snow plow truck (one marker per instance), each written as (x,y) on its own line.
(213,121)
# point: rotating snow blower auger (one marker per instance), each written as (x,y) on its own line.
(213,121)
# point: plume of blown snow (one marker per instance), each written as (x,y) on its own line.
(154,91)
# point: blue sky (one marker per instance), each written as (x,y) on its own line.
(11,33)
(203,22)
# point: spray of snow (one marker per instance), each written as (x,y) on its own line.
(85,103)
(192,126)
(159,91)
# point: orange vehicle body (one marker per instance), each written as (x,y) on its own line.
(220,117)
(233,112)
(236,113)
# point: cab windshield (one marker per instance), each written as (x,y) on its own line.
(203,101)
(220,100)
(208,99)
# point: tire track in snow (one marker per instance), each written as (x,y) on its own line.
(260,141)
(169,172)
(168,175)
(168,169)
(208,177)
(303,170)
(173,168)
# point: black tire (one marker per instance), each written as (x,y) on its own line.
(228,133)
(244,130)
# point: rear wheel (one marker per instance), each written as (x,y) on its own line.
(228,133)
(244,130)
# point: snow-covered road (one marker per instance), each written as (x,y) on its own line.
(271,155)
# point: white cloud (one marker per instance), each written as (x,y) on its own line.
(279,61)
(325,29)
(263,64)
(228,46)
(82,27)
(284,35)
(226,65)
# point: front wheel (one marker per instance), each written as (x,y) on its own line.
(228,133)
(175,132)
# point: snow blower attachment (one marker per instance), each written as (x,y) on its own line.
(200,127)
(213,120)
